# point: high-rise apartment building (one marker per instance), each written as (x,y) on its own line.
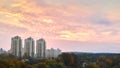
(40,48)
(29,47)
(16,45)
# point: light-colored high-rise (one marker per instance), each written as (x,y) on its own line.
(16,45)
(29,47)
(40,48)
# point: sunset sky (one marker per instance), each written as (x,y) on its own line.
(71,25)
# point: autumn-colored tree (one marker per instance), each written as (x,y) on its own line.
(92,66)
(25,55)
(69,59)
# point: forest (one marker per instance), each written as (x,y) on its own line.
(65,60)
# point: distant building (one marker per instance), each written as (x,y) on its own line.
(84,64)
(2,51)
(58,52)
(48,54)
(16,45)
(40,48)
(29,47)
(52,53)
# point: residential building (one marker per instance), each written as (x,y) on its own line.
(40,48)
(52,53)
(16,45)
(29,47)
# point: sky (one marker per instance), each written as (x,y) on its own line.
(70,25)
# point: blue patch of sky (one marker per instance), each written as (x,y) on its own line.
(100,19)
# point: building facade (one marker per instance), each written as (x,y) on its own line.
(29,47)
(52,53)
(16,45)
(40,48)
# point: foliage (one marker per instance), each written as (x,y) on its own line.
(65,60)
(90,60)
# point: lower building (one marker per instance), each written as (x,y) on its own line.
(2,51)
(52,53)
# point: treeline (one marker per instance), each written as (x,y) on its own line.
(91,60)
(10,61)
(65,60)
